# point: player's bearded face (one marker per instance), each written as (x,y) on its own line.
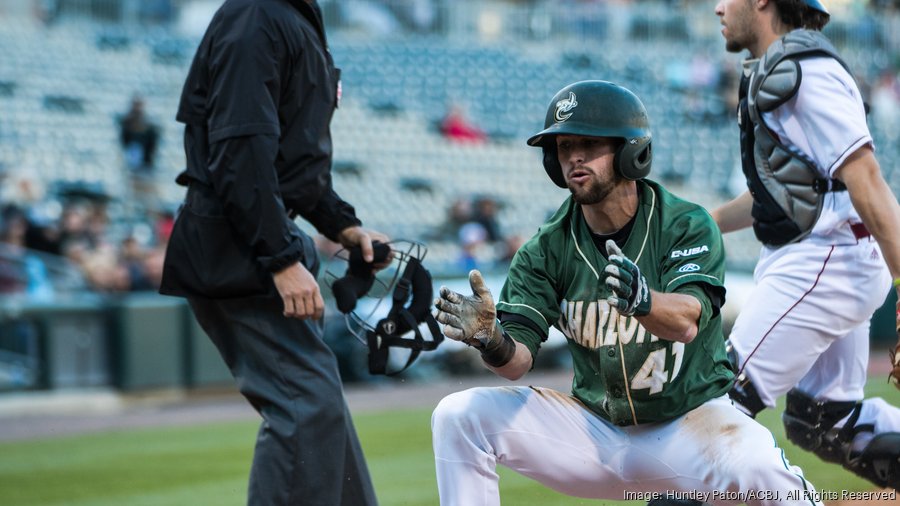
(587,164)
(737,19)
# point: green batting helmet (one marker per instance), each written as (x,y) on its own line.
(597,109)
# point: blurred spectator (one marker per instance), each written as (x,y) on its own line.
(139,137)
(74,229)
(24,189)
(46,11)
(21,271)
(78,247)
(459,213)
(727,89)
(458,128)
(472,238)
(486,215)
(153,259)
(703,72)
(511,245)
(133,257)
(886,103)
(104,271)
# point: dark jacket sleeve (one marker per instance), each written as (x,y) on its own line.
(243,176)
(246,68)
(331,215)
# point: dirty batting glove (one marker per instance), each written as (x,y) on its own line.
(630,293)
(471,319)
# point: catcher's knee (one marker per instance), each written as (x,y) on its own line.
(809,424)
(743,392)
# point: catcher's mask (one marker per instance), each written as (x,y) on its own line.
(409,284)
(598,109)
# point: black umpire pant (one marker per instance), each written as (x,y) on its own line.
(307,451)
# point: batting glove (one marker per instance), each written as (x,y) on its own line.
(470,319)
(630,293)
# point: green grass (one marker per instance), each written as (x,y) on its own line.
(208,465)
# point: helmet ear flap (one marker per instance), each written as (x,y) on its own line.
(633,158)
(551,164)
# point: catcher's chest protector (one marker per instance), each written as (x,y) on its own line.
(788,191)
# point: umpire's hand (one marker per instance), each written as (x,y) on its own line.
(299,292)
(362,237)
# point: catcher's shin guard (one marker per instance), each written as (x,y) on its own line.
(879,462)
(809,424)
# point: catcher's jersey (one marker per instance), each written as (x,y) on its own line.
(623,373)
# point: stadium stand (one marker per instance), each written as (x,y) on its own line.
(64,83)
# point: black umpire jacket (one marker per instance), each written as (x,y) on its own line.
(257,106)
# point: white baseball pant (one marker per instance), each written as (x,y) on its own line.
(714,451)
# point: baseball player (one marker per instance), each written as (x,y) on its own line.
(632,275)
(829,227)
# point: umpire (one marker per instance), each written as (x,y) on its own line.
(257,105)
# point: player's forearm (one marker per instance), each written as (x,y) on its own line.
(735,214)
(875,203)
(518,366)
(672,317)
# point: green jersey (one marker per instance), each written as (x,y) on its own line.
(623,373)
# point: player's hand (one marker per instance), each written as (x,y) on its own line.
(471,319)
(359,236)
(299,292)
(630,293)
(894,375)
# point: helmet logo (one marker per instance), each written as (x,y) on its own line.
(564,106)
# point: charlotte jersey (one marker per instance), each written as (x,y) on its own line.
(622,373)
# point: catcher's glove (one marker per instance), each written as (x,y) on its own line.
(894,376)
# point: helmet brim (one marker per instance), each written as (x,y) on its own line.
(817,5)
(574,128)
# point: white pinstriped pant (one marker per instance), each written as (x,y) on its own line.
(806,324)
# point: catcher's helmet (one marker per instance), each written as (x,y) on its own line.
(405,282)
(597,109)
(817,5)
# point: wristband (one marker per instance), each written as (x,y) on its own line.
(500,353)
(896,282)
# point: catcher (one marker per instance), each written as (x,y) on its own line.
(830,232)
(632,275)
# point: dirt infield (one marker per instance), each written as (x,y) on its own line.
(41,415)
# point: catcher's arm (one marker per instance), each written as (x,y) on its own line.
(878,208)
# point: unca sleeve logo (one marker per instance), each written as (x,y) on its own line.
(564,106)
